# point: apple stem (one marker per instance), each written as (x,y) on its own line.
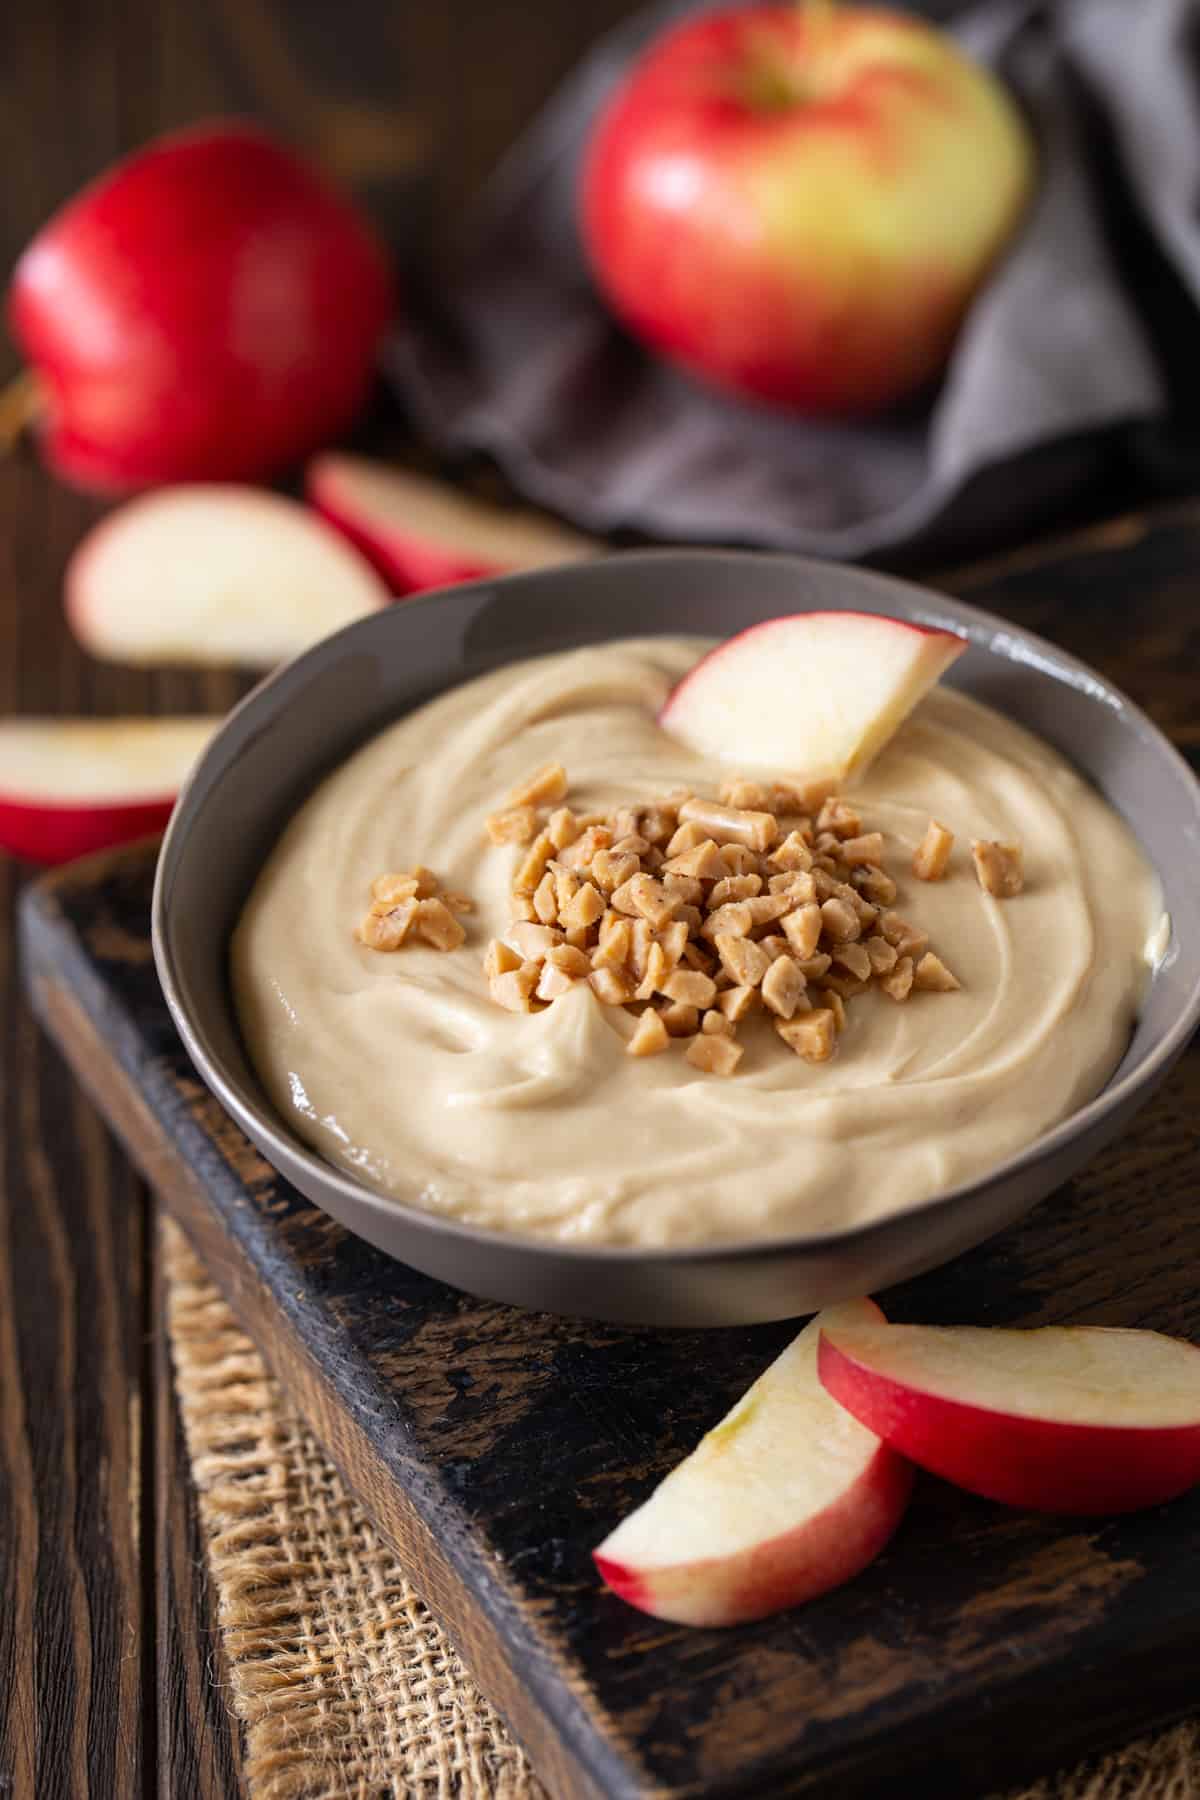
(22,403)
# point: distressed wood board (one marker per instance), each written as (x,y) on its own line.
(496,1446)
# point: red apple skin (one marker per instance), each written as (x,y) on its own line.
(414,551)
(820,1554)
(1039,1465)
(407,564)
(40,831)
(208,309)
(816,250)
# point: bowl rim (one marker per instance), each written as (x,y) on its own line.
(944,611)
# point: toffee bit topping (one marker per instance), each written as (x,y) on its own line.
(933,852)
(438,925)
(651,1035)
(783,987)
(391,889)
(999,868)
(514,825)
(405,905)
(897,984)
(697,913)
(386,927)
(501,959)
(932,975)
(715,1054)
(701,913)
(838,819)
(858,852)
(715,1024)
(731,824)
(680,1019)
(545,787)
(514,989)
(813,1036)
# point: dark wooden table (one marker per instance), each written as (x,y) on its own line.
(109,1670)
(106,1645)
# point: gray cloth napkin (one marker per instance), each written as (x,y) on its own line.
(1063,353)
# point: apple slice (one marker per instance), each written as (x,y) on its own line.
(68,786)
(787,1497)
(422,534)
(817,694)
(1065,1419)
(214,574)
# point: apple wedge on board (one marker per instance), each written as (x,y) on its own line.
(816,694)
(69,786)
(1065,1419)
(421,534)
(787,1497)
(211,574)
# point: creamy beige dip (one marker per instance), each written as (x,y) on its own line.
(401,1068)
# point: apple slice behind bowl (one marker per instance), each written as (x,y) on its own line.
(817,694)
(420,534)
(70,786)
(787,1497)
(1064,1419)
(214,574)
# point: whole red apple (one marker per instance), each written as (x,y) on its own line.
(208,309)
(797,202)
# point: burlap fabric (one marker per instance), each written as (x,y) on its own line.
(346,1686)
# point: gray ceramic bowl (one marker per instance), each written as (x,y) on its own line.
(308,717)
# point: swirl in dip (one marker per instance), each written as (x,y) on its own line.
(402,1068)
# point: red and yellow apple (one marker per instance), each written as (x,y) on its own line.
(421,534)
(787,1497)
(69,786)
(209,574)
(797,202)
(817,694)
(1080,1419)
(207,310)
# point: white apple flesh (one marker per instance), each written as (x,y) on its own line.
(70,786)
(816,694)
(421,534)
(210,574)
(1081,1420)
(786,1498)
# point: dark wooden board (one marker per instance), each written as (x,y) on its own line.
(496,1447)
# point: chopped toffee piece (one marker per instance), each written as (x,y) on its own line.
(897,984)
(386,927)
(545,787)
(514,989)
(933,852)
(680,1019)
(715,1055)
(932,974)
(515,825)
(813,1036)
(438,925)
(650,1037)
(999,868)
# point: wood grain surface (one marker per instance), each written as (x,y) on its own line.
(496,1447)
(104,1684)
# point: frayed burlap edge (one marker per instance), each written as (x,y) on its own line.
(344,1682)
(1166,1767)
